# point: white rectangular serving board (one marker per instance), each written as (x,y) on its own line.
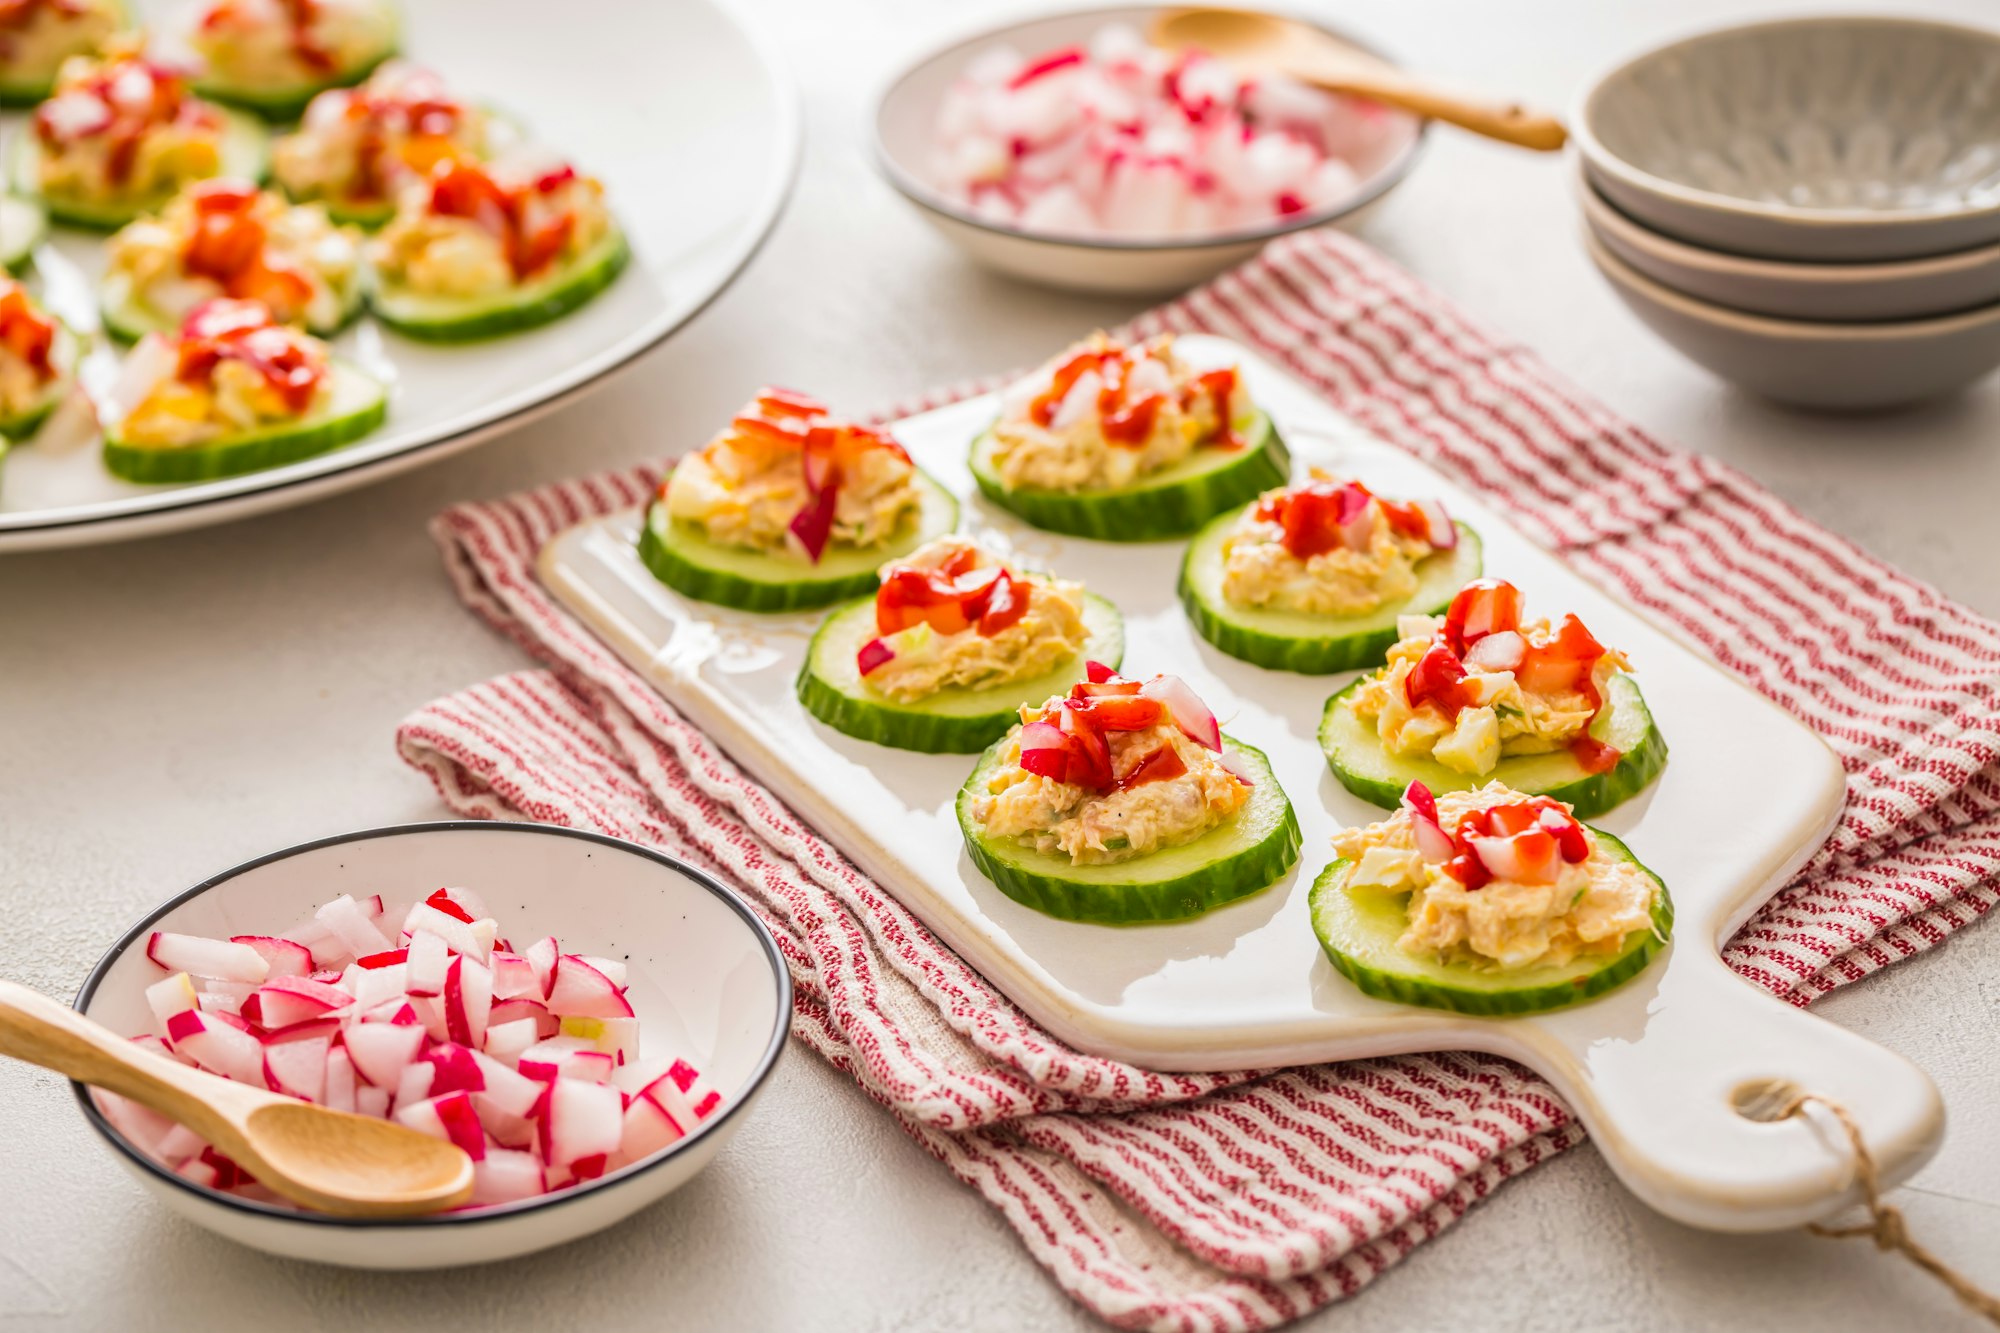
(1748,793)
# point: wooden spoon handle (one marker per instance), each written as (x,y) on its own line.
(1509,122)
(50,1034)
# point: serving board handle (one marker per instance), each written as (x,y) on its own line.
(1681,1106)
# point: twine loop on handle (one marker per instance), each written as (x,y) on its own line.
(1886,1225)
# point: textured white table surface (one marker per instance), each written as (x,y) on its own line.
(171,707)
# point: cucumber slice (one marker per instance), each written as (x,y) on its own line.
(358,405)
(245,153)
(1244,856)
(1310,644)
(453,319)
(24,224)
(1357,758)
(289,102)
(952,721)
(63,358)
(1359,930)
(128,318)
(1170,503)
(681,557)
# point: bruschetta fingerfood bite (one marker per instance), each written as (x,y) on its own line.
(1481,694)
(790,508)
(233,391)
(1127,442)
(1121,802)
(950,647)
(1488,901)
(38,358)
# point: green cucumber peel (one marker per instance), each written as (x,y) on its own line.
(358,405)
(460,319)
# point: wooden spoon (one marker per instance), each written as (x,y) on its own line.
(1266,44)
(350,1165)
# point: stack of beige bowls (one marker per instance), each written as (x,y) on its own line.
(1809,208)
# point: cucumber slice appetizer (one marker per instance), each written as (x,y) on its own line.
(245,153)
(1313,645)
(23,225)
(63,358)
(1170,503)
(684,559)
(1359,930)
(358,405)
(452,319)
(1244,856)
(128,318)
(956,720)
(1357,758)
(288,103)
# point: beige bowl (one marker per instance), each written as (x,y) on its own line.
(1833,138)
(907,111)
(1853,367)
(1904,289)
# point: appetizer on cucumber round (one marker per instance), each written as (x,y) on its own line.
(234,391)
(789,509)
(486,249)
(36,36)
(1123,803)
(1487,902)
(1127,444)
(273,56)
(226,237)
(1480,695)
(121,135)
(23,226)
(1312,578)
(357,149)
(943,656)
(38,357)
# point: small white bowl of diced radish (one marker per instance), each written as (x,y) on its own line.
(588,1019)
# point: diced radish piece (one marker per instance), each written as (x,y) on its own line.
(1191,715)
(387,958)
(180,1144)
(462,937)
(468,902)
(339,1080)
(371,986)
(399,1011)
(507,1129)
(175,995)
(633,1076)
(414,1085)
(382,1051)
(580,989)
(454,1069)
(220,960)
(612,968)
(468,1001)
(1439,530)
(283,1001)
(143,1127)
(506,1176)
(372,1101)
(566,1057)
(218,1046)
(509,1011)
(513,1092)
(319,941)
(196,1171)
(514,977)
(506,1041)
(1502,651)
(541,956)
(353,927)
(647,1129)
(284,958)
(450,1118)
(583,1120)
(615,1037)
(215,1002)
(424,971)
(684,1094)
(298,1068)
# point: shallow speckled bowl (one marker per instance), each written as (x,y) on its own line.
(905,116)
(706,980)
(1842,138)
(1842,367)
(1787,289)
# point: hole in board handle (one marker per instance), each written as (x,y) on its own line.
(1764,1099)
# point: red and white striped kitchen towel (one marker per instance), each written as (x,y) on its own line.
(1241,1201)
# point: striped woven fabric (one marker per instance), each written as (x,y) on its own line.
(1241,1201)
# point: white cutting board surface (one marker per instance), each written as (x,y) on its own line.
(1748,793)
